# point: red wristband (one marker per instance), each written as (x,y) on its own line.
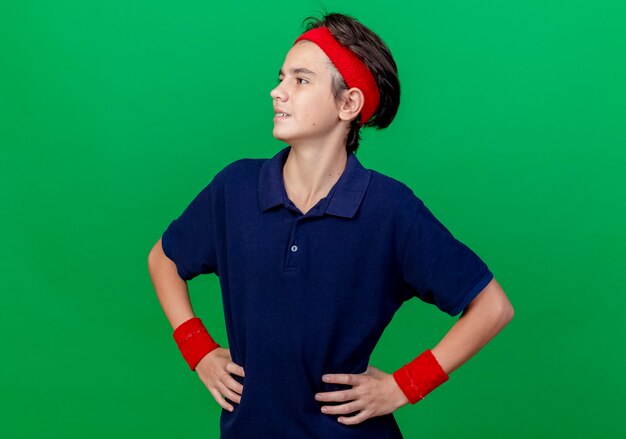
(420,377)
(194,341)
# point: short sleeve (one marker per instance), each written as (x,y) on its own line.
(438,268)
(190,239)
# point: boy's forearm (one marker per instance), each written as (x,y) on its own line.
(171,290)
(482,320)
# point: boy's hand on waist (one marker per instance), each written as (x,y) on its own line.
(214,370)
(374,393)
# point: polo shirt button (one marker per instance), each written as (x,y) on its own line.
(294,248)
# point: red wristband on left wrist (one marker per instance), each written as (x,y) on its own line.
(420,377)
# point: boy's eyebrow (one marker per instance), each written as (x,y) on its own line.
(296,70)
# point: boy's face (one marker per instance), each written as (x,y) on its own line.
(306,96)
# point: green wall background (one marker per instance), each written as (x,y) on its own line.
(113,115)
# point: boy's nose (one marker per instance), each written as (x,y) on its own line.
(277,93)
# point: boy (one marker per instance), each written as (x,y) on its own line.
(315,254)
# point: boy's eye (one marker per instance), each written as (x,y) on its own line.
(297,79)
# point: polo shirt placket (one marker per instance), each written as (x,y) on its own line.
(301,223)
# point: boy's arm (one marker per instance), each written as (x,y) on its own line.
(171,290)
(215,367)
(482,320)
(376,393)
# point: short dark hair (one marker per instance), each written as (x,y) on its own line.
(370,49)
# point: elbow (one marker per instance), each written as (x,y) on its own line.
(497,305)
(508,312)
(150,261)
(154,254)
(501,304)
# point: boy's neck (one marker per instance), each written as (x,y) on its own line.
(310,173)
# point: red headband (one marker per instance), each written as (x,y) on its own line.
(350,67)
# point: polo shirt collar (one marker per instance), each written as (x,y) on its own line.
(345,196)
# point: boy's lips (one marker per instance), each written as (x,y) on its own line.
(280,114)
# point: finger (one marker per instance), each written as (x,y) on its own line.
(236,369)
(234,385)
(356,419)
(343,378)
(350,407)
(340,395)
(228,393)
(220,400)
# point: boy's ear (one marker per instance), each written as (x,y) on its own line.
(351,105)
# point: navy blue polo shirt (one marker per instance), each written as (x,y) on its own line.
(309,294)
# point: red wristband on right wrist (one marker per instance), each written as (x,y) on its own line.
(420,377)
(194,341)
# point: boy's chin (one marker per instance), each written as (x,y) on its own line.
(284,137)
(294,137)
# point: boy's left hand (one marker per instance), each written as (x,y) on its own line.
(374,393)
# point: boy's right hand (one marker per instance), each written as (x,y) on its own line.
(214,370)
